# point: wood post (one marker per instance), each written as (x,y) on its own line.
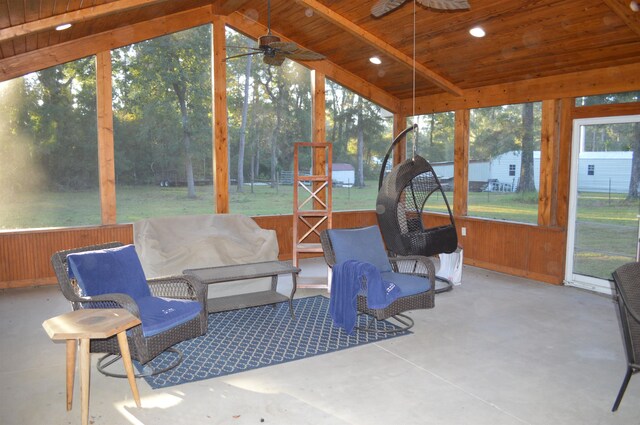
(106,161)
(220,130)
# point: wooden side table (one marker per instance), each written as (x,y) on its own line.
(85,325)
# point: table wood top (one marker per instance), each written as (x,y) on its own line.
(89,323)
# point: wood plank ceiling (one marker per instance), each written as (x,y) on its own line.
(525,38)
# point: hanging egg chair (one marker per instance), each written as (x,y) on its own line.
(403,194)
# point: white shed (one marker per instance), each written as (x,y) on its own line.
(604,171)
(343,174)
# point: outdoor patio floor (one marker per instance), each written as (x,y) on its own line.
(495,350)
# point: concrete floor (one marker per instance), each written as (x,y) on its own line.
(496,350)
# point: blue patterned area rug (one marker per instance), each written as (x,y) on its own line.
(252,338)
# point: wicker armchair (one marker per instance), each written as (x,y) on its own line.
(414,266)
(627,294)
(143,349)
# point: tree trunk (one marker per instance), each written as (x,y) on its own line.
(527,183)
(181,90)
(635,164)
(243,126)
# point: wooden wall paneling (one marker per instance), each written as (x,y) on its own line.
(25,256)
(106,156)
(600,81)
(220,130)
(461,162)
(518,249)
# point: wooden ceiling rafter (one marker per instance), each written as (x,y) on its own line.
(73,17)
(381,45)
(624,12)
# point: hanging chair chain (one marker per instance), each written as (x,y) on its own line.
(415,131)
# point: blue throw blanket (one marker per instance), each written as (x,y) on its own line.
(346,283)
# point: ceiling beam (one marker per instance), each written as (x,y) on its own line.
(623,10)
(73,17)
(334,72)
(379,44)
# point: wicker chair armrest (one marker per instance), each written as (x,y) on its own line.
(112,300)
(180,287)
(415,264)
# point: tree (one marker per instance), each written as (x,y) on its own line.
(527,183)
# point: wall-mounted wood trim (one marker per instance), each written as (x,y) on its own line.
(106,155)
(600,81)
(618,109)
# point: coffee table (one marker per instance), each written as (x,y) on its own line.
(85,325)
(219,274)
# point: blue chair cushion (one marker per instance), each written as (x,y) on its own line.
(362,244)
(408,284)
(159,314)
(112,270)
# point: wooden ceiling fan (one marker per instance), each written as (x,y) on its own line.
(382,7)
(274,51)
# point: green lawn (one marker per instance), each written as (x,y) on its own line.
(607,224)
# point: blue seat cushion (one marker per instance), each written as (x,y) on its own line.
(112,270)
(362,244)
(159,314)
(408,284)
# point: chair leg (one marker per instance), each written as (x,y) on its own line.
(109,359)
(623,388)
(405,321)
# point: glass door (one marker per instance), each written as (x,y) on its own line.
(604,206)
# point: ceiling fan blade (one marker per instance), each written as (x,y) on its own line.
(383,7)
(445,4)
(293,51)
(275,60)
(243,47)
(243,54)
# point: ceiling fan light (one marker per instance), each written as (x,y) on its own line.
(375,60)
(477,32)
(63,27)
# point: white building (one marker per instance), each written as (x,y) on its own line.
(343,174)
(597,171)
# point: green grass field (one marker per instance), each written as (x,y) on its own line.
(607,225)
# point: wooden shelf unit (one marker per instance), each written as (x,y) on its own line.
(309,222)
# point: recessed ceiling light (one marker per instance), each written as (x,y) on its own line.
(375,60)
(477,32)
(634,6)
(63,27)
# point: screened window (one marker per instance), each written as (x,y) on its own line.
(48,148)
(269,110)
(435,143)
(361,135)
(626,97)
(504,162)
(162,126)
